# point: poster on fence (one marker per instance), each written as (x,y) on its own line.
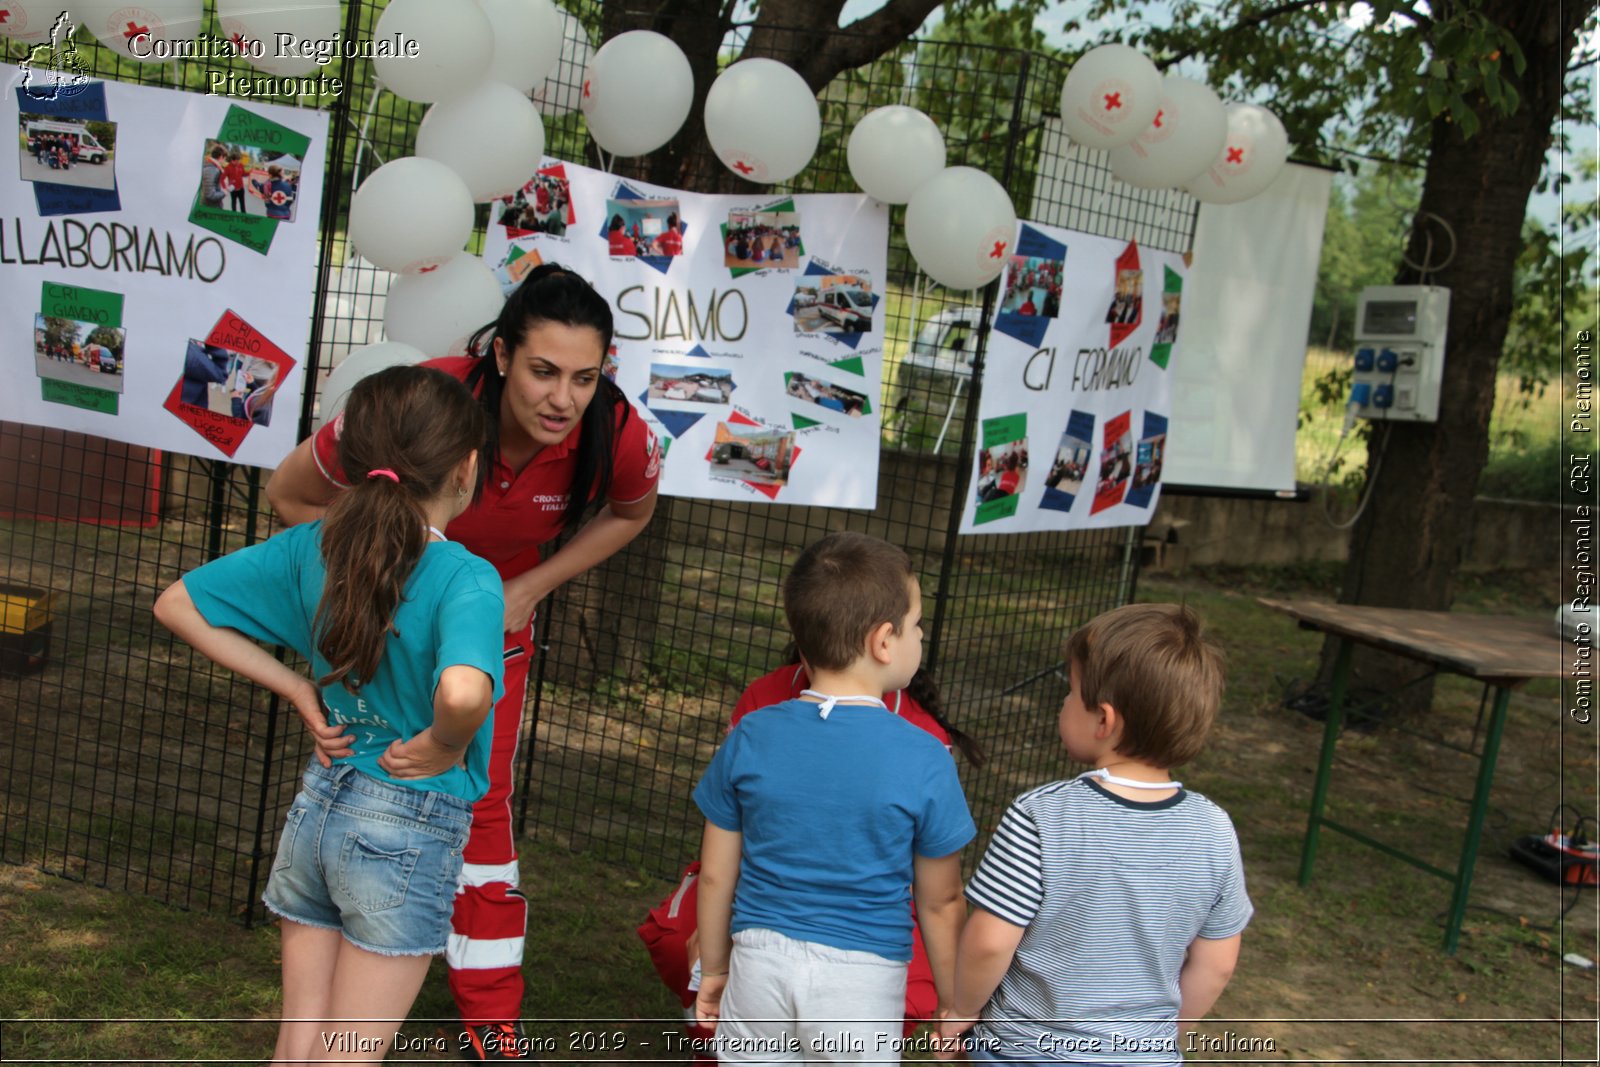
(158,256)
(749,329)
(1072,427)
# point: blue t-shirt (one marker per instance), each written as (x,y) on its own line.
(832,811)
(451,613)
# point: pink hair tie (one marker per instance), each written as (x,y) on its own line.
(384,472)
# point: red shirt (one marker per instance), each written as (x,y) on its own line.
(786,682)
(621,243)
(518,512)
(234,172)
(670,242)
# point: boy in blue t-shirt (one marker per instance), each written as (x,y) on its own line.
(1109,906)
(825,816)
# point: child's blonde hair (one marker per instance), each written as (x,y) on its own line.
(1153,665)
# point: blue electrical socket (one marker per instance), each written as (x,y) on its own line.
(1388,361)
(1361,394)
(1363,359)
(1383,396)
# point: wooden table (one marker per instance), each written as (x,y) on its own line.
(1500,651)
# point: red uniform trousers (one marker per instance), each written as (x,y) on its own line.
(490,920)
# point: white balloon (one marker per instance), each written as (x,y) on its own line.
(636,92)
(492,137)
(1180,143)
(139,30)
(1111,94)
(356,366)
(411,215)
(438,311)
(562,91)
(455,45)
(762,120)
(259,24)
(1255,151)
(527,41)
(32,21)
(960,227)
(893,150)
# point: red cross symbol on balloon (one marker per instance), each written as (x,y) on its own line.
(134,30)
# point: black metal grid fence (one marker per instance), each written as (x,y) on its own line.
(131,763)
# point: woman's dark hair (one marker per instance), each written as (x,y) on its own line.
(413,423)
(925,691)
(616,223)
(552,293)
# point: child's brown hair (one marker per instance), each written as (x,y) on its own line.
(414,424)
(1154,666)
(840,590)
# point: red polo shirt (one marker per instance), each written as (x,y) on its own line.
(518,512)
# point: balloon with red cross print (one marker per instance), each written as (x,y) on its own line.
(636,93)
(28,21)
(961,227)
(1110,96)
(256,29)
(762,120)
(1255,150)
(411,214)
(135,30)
(1185,136)
(456,132)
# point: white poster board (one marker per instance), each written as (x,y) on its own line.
(1077,385)
(749,329)
(158,254)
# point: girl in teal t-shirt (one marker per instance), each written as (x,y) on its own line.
(402,630)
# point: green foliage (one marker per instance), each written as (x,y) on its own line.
(1368,217)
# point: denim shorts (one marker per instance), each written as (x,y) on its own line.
(374,860)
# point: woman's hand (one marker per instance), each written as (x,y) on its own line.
(523,593)
(421,757)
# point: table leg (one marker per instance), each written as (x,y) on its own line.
(1330,737)
(1480,805)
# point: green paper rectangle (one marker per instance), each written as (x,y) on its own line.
(1005,429)
(252,231)
(72,394)
(1003,508)
(1160,354)
(803,423)
(245,127)
(81,304)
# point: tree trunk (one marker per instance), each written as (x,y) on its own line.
(1407,547)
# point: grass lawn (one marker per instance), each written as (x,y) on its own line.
(1347,969)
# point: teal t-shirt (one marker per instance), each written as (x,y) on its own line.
(451,613)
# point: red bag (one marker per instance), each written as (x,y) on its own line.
(666,931)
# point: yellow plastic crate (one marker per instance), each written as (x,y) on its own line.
(26,616)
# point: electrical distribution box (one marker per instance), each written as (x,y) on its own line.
(1399,361)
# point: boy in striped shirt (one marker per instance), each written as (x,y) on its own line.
(1109,906)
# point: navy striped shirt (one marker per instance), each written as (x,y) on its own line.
(1110,893)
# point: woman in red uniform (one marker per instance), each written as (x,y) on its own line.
(562,439)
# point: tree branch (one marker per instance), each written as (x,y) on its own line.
(863,42)
(1266,15)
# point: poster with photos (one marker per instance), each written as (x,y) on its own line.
(1077,387)
(161,264)
(749,329)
